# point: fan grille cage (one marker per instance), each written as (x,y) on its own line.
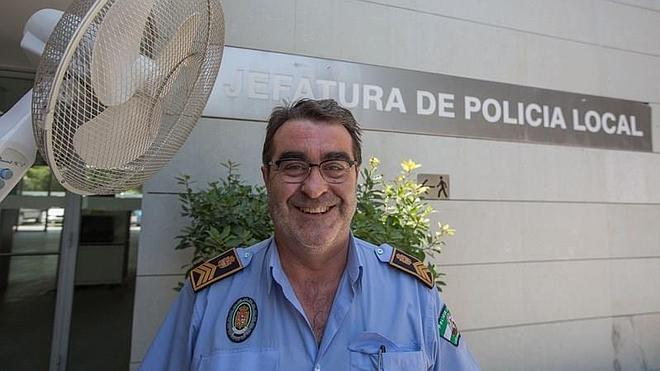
(121,85)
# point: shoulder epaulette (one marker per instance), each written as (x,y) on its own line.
(215,269)
(411,265)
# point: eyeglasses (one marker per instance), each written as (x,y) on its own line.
(296,171)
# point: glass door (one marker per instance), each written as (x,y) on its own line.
(28,277)
(28,266)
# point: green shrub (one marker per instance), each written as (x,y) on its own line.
(230,213)
(394,212)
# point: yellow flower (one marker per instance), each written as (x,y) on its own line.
(445,229)
(409,165)
(374,162)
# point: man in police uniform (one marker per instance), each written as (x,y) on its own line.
(312,297)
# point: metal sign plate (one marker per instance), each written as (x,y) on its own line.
(251,82)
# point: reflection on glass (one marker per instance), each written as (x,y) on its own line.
(39,181)
(12,87)
(102,313)
(27,302)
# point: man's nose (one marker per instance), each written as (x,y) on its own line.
(314,185)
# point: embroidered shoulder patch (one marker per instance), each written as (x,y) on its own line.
(215,269)
(447,327)
(411,265)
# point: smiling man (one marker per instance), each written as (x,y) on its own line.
(312,297)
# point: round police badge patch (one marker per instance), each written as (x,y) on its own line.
(241,319)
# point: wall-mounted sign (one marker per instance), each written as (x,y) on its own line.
(251,82)
(437,186)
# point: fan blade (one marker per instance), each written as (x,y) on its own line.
(168,62)
(117,68)
(112,139)
(180,46)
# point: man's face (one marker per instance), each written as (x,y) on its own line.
(313,215)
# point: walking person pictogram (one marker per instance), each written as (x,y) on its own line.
(442,185)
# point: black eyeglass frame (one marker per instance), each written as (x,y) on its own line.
(310,165)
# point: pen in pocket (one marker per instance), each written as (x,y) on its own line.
(380,357)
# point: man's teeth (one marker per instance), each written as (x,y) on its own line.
(315,210)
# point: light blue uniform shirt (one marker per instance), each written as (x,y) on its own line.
(376,308)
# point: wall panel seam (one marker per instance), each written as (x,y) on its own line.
(502,140)
(623,3)
(572,202)
(509,28)
(576,260)
(505,201)
(542,323)
(252,121)
(430,135)
(181,275)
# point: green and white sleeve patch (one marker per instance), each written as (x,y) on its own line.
(447,327)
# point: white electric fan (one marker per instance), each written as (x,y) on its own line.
(120,85)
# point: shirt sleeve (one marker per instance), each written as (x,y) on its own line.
(450,350)
(173,346)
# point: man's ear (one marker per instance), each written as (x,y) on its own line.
(265,172)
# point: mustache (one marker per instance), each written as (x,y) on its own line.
(324,201)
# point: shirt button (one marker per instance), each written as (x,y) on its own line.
(317,368)
(247,255)
(379,251)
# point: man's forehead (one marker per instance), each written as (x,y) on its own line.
(309,125)
(304,138)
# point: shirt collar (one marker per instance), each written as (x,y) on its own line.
(354,264)
(275,271)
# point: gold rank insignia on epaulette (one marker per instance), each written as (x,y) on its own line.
(411,265)
(215,269)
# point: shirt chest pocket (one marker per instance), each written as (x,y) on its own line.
(247,360)
(372,351)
